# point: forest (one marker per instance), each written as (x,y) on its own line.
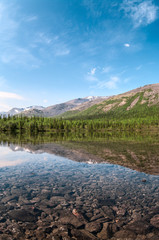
(34,124)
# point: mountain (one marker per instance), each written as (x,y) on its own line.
(58,109)
(139,102)
(15,111)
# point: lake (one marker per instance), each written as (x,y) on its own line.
(79,187)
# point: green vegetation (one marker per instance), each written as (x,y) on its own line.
(132,112)
(40,124)
(120,107)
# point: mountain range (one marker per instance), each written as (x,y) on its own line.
(15,111)
(139,102)
(57,109)
(143,100)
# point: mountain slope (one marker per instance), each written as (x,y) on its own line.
(61,108)
(139,102)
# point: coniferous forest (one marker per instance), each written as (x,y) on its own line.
(41,124)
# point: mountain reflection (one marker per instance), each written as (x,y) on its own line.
(137,152)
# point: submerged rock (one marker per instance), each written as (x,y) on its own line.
(22,215)
(155,221)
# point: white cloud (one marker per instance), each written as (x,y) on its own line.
(110,84)
(43,38)
(50,44)
(8,95)
(127,45)
(91,75)
(20,56)
(12,52)
(4,107)
(45,101)
(94,7)
(141,12)
(91,78)
(126,80)
(107,69)
(92,72)
(8,26)
(62,52)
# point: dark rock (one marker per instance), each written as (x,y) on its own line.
(96,217)
(6,237)
(40,234)
(139,227)
(22,215)
(9,198)
(124,235)
(93,227)
(105,233)
(155,221)
(71,219)
(143,180)
(82,235)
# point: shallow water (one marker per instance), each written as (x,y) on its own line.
(45,196)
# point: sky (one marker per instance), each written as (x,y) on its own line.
(52,51)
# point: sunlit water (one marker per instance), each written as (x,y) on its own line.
(39,192)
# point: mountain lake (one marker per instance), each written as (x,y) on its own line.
(79,187)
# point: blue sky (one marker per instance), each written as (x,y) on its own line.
(52,51)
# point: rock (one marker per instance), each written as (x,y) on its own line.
(141,237)
(143,180)
(105,233)
(78,214)
(155,221)
(139,227)
(62,232)
(6,237)
(124,235)
(82,235)
(9,198)
(22,215)
(121,212)
(2,219)
(93,227)
(71,219)
(113,228)
(40,234)
(96,217)
(108,212)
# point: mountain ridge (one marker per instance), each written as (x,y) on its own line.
(55,110)
(140,100)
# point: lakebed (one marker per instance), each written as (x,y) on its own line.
(63,190)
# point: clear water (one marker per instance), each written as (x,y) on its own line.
(47,189)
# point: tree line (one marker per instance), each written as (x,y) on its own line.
(42,124)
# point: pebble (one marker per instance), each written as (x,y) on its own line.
(70,200)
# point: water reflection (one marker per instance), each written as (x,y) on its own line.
(51,197)
(139,152)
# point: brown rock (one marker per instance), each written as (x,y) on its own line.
(22,215)
(155,221)
(71,219)
(105,233)
(139,227)
(125,235)
(83,235)
(93,227)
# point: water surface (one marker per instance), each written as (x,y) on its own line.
(79,189)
